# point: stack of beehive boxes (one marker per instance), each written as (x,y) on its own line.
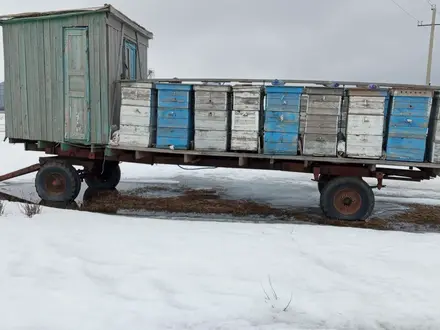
(137,126)
(212,116)
(365,122)
(175,116)
(281,120)
(323,107)
(408,125)
(247,110)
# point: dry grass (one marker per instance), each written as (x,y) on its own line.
(207,201)
(416,217)
(30,209)
(420,215)
(191,201)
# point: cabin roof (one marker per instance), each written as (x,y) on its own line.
(21,17)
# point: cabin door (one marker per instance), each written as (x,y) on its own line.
(76,85)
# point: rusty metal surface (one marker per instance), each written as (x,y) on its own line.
(347,201)
(328,160)
(345,170)
(320,166)
(20,172)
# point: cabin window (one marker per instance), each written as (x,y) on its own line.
(130,60)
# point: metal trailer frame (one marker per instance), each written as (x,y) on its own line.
(344,194)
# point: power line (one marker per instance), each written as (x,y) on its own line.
(406,11)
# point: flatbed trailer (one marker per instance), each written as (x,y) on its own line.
(348,198)
(82,97)
(344,194)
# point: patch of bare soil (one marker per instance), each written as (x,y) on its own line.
(200,201)
(423,215)
(417,218)
(208,201)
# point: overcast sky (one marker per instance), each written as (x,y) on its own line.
(362,40)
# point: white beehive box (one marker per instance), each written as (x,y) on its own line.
(365,123)
(212,117)
(323,106)
(137,127)
(247,109)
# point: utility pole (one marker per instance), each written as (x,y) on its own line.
(431,42)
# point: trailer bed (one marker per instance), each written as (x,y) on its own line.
(299,158)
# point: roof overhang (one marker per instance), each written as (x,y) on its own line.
(37,16)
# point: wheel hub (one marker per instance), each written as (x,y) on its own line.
(55,184)
(347,201)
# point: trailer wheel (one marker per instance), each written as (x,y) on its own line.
(107,178)
(57,182)
(323,180)
(347,198)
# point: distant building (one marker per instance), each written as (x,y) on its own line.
(2,95)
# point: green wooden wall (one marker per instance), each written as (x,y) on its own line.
(34,86)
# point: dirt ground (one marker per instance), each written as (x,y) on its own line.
(417,218)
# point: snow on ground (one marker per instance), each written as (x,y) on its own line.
(61,271)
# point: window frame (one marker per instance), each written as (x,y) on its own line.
(130,57)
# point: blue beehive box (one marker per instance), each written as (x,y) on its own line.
(281,120)
(408,125)
(175,118)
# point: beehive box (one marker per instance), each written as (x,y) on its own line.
(247,109)
(175,116)
(138,114)
(281,120)
(212,117)
(365,123)
(408,125)
(323,106)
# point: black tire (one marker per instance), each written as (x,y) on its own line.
(347,198)
(57,182)
(108,179)
(323,180)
